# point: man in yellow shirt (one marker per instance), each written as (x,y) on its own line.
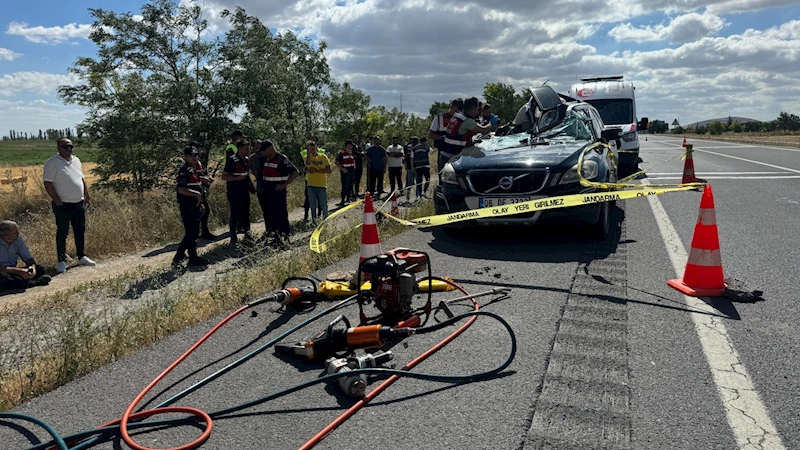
(317,169)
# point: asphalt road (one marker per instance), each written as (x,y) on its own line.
(609,356)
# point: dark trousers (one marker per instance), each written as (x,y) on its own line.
(9,282)
(396,178)
(204,217)
(347,185)
(276,211)
(70,214)
(357,180)
(239,203)
(190,216)
(423,172)
(375,185)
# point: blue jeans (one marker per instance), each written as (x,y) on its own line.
(318,198)
(411,175)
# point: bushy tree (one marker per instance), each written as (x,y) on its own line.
(715,128)
(736,127)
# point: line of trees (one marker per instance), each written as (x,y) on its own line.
(784,122)
(49,134)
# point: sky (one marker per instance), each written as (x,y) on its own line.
(689,59)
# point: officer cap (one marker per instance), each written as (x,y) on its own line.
(265,144)
(191,151)
(237,133)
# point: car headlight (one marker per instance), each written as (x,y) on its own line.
(448,175)
(629,137)
(589,170)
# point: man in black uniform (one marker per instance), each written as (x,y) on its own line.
(358,153)
(236,137)
(190,201)
(239,186)
(205,180)
(277,172)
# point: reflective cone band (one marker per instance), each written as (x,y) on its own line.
(684,141)
(370,242)
(703,275)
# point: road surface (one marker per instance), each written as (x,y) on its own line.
(609,356)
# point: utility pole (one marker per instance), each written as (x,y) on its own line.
(401,102)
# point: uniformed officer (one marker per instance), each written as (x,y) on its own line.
(438,130)
(190,201)
(236,137)
(205,181)
(277,173)
(239,186)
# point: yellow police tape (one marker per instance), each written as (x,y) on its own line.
(314,243)
(623,183)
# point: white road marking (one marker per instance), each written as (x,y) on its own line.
(744,159)
(737,145)
(718,173)
(746,413)
(712,177)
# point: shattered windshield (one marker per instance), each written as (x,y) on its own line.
(573,128)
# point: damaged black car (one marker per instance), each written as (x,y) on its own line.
(536,158)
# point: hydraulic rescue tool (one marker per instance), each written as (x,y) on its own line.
(289,295)
(356,385)
(393,285)
(333,341)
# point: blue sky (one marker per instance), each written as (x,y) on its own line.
(690,59)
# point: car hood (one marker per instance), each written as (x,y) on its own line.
(510,152)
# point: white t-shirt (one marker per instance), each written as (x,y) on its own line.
(394,162)
(66,176)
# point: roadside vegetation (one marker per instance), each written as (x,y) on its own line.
(62,338)
(35,153)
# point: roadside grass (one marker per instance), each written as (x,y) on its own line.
(787,138)
(59,340)
(120,224)
(30,153)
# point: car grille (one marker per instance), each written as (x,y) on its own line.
(525,181)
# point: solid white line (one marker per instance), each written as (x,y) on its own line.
(746,413)
(719,173)
(737,145)
(745,159)
(712,177)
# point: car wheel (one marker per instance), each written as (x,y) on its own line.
(601,228)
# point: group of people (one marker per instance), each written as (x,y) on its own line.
(69,199)
(454,130)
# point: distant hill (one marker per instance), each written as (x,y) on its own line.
(722,120)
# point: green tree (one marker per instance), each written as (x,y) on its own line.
(737,127)
(155,73)
(438,108)
(346,111)
(503,100)
(752,126)
(788,122)
(715,128)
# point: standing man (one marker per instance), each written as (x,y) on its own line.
(439,129)
(488,117)
(317,169)
(239,186)
(236,137)
(191,201)
(304,154)
(346,162)
(395,164)
(205,181)
(360,156)
(462,128)
(12,249)
(277,172)
(376,162)
(422,166)
(64,183)
(256,164)
(408,161)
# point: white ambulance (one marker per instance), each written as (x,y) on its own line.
(614,98)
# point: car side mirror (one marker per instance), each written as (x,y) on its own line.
(643,123)
(610,135)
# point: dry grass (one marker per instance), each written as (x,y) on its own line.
(118,224)
(60,340)
(785,139)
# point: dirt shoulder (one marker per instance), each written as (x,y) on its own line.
(753,138)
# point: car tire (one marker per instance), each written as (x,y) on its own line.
(601,229)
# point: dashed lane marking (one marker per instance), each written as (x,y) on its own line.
(715,173)
(746,413)
(700,149)
(712,177)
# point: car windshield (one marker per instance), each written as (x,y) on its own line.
(573,128)
(614,111)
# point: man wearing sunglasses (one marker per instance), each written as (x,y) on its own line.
(64,183)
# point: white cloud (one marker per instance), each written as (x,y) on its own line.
(685,28)
(8,55)
(39,82)
(49,35)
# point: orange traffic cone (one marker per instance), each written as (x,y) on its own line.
(684,141)
(395,211)
(370,241)
(703,275)
(645,138)
(688,168)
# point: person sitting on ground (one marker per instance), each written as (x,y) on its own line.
(12,249)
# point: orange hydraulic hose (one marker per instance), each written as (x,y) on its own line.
(128,415)
(375,392)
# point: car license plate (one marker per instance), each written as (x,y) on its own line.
(490,202)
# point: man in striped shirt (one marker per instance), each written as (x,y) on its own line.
(346,162)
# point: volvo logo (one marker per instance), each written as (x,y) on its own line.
(505,183)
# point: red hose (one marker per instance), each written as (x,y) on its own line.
(374,393)
(129,415)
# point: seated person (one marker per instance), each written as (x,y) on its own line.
(12,249)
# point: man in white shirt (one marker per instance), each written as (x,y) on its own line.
(395,164)
(63,180)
